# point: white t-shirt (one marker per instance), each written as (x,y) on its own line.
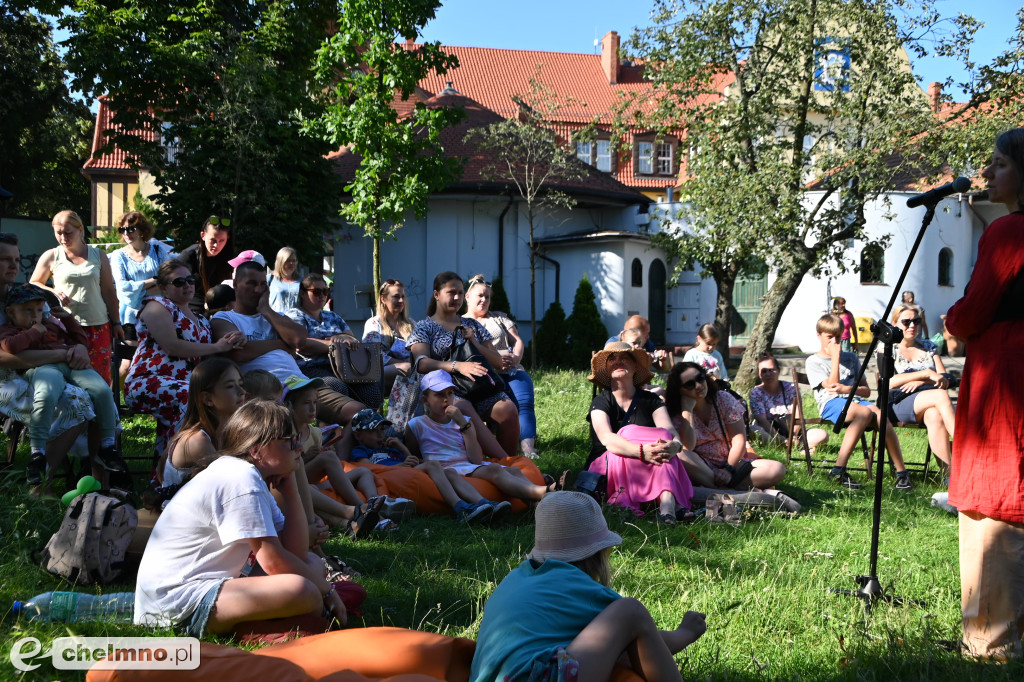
(713,362)
(278,362)
(200,539)
(819,369)
(442,443)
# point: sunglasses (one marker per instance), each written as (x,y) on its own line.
(768,370)
(479,280)
(8,238)
(183,281)
(127,229)
(317,291)
(692,383)
(916,321)
(294,442)
(218,221)
(392,282)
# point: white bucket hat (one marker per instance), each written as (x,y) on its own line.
(570,527)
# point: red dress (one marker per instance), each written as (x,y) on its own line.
(988,447)
(157,382)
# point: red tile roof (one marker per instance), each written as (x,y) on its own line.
(115,158)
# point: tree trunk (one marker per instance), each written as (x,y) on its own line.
(763,334)
(725,311)
(376,267)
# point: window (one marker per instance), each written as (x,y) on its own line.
(946,267)
(872,265)
(583,151)
(655,157)
(113,199)
(638,273)
(604,156)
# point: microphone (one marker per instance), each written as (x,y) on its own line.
(933,196)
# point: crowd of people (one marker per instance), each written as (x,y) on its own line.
(232,361)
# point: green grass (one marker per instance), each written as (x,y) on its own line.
(765,586)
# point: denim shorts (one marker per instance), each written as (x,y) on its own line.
(834,407)
(195,624)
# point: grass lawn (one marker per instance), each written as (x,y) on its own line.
(765,586)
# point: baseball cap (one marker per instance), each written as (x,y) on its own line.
(296,382)
(247,256)
(367,420)
(438,380)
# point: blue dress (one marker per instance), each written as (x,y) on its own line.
(283,295)
(130,275)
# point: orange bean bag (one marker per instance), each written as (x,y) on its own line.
(358,655)
(413,484)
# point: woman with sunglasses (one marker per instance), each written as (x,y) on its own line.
(323,327)
(197,574)
(391,327)
(711,422)
(919,369)
(209,259)
(172,339)
(134,267)
(506,340)
(83,283)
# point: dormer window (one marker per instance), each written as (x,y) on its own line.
(596,153)
(655,157)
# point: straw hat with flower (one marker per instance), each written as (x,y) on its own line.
(599,362)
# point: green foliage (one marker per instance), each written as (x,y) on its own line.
(499,298)
(225,86)
(587,332)
(45,132)
(526,154)
(785,124)
(401,162)
(552,338)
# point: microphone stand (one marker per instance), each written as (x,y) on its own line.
(870,588)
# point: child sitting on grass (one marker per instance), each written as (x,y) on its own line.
(573,626)
(28,329)
(831,373)
(443,437)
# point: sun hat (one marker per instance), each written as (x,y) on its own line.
(598,364)
(438,380)
(367,420)
(295,383)
(23,293)
(247,256)
(569,526)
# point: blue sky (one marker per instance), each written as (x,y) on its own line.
(572,26)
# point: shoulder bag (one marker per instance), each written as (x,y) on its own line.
(361,364)
(473,389)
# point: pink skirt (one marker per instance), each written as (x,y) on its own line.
(632,483)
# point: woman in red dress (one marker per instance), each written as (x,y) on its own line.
(987,481)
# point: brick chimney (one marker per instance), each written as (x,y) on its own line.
(935,96)
(610,56)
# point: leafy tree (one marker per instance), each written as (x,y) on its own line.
(222,87)
(45,135)
(552,338)
(527,154)
(819,95)
(401,163)
(586,331)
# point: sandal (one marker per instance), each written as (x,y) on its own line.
(730,513)
(684,515)
(338,570)
(364,519)
(713,509)
(668,519)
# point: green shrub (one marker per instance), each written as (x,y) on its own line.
(586,331)
(552,334)
(499,298)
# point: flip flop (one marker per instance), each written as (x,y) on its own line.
(364,519)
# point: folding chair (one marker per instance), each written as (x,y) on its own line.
(798,422)
(13,429)
(123,350)
(912,425)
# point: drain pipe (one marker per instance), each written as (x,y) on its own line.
(558,273)
(501,239)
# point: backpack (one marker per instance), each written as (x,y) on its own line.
(90,545)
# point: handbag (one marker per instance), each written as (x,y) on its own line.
(473,389)
(361,364)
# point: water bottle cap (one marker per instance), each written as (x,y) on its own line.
(16,607)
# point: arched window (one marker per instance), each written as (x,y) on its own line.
(638,273)
(872,265)
(946,267)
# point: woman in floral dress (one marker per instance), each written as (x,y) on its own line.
(172,338)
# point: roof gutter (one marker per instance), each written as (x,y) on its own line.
(501,239)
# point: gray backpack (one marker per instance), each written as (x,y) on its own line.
(90,545)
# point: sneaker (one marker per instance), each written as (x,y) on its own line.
(473,513)
(844,479)
(499,509)
(110,459)
(941,501)
(903,481)
(35,469)
(398,508)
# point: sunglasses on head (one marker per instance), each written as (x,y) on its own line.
(479,280)
(692,383)
(183,281)
(217,221)
(319,291)
(393,282)
(127,229)
(916,321)
(8,238)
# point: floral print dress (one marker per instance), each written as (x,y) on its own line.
(157,382)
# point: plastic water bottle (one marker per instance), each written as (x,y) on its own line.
(72,607)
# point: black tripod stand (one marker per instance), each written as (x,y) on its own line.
(870,587)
